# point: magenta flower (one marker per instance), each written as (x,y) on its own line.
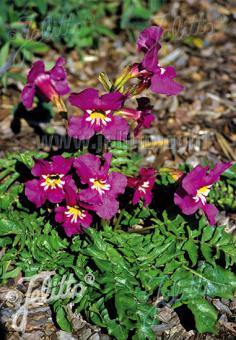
(103,187)
(97,117)
(194,188)
(52,181)
(142,115)
(49,85)
(159,79)
(143,185)
(149,43)
(74,217)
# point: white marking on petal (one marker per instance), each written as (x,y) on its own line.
(144,186)
(162,70)
(202,194)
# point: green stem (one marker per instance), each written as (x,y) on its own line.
(119,219)
(140,231)
(6,172)
(103,223)
(194,272)
(4,187)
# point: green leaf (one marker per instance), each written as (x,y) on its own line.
(62,319)
(192,250)
(207,234)
(230,172)
(12,274)
(219,282)
(150,279)
(205,315)
(128,266)
(30,45)
(9,226)
(207,252)
(27,157)
(4,52)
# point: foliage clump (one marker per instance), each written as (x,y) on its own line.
(140,234)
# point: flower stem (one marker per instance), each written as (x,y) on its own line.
(140,231)
(117,225)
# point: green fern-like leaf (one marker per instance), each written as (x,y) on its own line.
(124,158)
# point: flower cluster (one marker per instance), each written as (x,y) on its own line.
(89,186)
(80,190)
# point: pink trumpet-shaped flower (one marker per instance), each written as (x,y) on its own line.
(103,186)
(98,115)
(194,188)
(49,85)
(149,71)
(142,115)
(74,217)
(143,185)
(52,181)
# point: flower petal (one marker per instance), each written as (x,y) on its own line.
(61,86)
(86,99)
(215,173)
(34,193)
(211,212)
(59,214)
(61,165)
(148,37)
(150,60)
(71,228)
(27,95)
(58,72)
(108,208)
(59,77)
(148,198)
(55,195)
(186,203)
(117,129)
(106,165)
(37,69)
(87,167)
(118,183)
(111,101)
(132,182)
(136,197)
(90,197)
(194,180)
(164,83)
(41,167)
(70,193)
(70,184)
(87,220)
(146,173)
(79,128)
